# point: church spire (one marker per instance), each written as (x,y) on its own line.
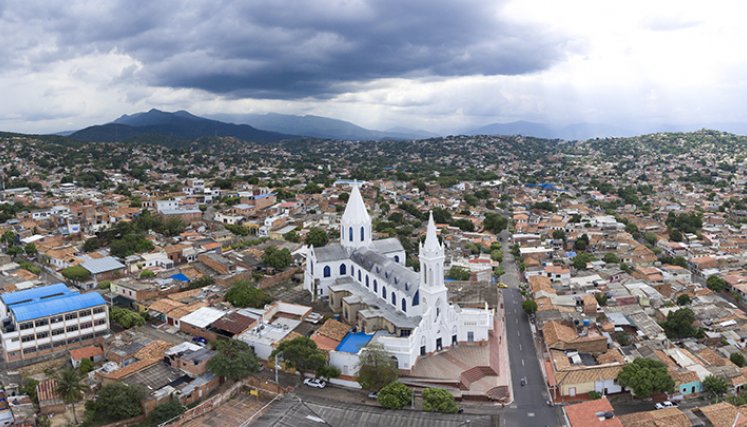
(431,244)
(355,226)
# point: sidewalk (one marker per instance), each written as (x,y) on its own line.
(504,370)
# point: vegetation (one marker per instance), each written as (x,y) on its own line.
(279,259)
(376,368)
(76,273)
(738,359)
(165,411)
(125,317)
(582,259)
(70,387)
(683,299)
(646,377)
(302,354)
(439,400)
(680,324)
(716,284)
(235,360)
(114,402)
(146,274)
(316,237)
(529,306)
(458,273)
(394,396)
(244,294)
(715,385)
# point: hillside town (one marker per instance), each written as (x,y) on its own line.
(458,279)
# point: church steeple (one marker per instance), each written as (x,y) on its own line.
(432,258)
(355,226)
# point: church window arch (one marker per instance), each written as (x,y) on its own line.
(363,233)
(376,286)
(383,292)
(343,269)
(416,298)
(396,258)
(350,233)
(359,275)
(312,268)
(404,305)
(327,271)
(366,280)
(394,298)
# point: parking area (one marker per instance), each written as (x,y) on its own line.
(232,413)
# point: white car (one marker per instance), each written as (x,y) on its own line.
(314,317)
(664,405)
(315,382)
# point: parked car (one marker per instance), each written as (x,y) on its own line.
(314,317)
(315,382)
(373,395)
(502,285)
(666,404)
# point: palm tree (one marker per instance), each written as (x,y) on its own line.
(70,387)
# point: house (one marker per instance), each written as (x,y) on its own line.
(576,373)
(724,414)
(594,413)
(93,353)
(50,401)
(563,337)
(198,322)
(106,268)
(669,417)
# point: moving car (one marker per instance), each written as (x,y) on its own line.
(315,382)
(666,404)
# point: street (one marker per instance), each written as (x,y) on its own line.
(530,401)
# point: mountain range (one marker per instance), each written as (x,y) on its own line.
(175,128)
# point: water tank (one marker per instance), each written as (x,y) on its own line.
(587,322)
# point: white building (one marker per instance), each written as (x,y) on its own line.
(406,312)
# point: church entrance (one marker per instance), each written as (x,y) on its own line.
(453,340)
(439,345)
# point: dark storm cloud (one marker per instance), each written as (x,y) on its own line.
(285,49)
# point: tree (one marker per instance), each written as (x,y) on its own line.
(376,368)
(582,259)
(76,273)
(679,324)
(30,249)
(243,294)
(91,244)
(458,273)
(302,354)
(29,389)
(8,238)
(683,299)
(316,237)
(125,318)
(439,400)
(611,258)
(394,396)
(147,274)
(86,366)
(464,224)
(328,371)
(738,359)
(235,360)
(278,259)
(116,401)
(496,255)
(581,243)
(716,284)
(675,235)
(494,222)
(14,251)
(529,306)
(165,412)
(559,234)
(715,385)
(601,298)
(646,377)
(292,236)
(70,387)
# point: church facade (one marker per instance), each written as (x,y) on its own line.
(406,312)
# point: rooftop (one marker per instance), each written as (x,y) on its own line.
(70,302)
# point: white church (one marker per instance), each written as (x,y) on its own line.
(367,283)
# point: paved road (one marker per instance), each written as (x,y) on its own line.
(530,401)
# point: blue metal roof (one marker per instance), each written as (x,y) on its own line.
(35,294)
(72,302)
(180,277)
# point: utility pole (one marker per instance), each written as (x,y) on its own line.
(277,367)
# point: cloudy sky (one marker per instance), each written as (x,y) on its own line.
(428,64)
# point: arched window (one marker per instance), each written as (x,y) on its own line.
(416,298)
(359,275)
(312,268)
(363,233)
(383,292)
(404,305)
(376,286)
(327,271)
(394,298)
(366,280)
(343,269)
(396,258)
(350,234)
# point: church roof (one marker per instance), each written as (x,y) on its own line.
(431,244)
(355,211)
(392,273)
(331,252)
(384,246)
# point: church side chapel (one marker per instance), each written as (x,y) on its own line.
(406,312)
